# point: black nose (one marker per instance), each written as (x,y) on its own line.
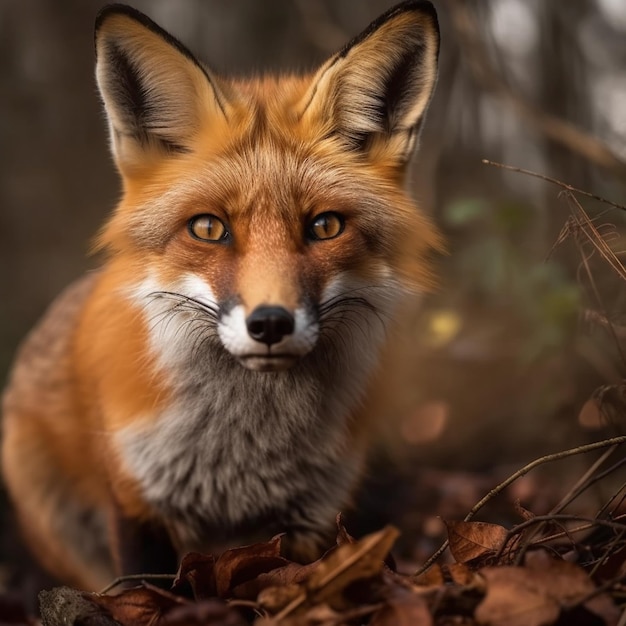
(269,324)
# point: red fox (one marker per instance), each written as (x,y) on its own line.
(207,385)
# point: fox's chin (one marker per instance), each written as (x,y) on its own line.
(268,362)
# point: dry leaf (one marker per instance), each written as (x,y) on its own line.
(198,570)
(514,598)
(460,574)
(475,540)
(340,568)
(350,562)
(274,599)
(342,534)
(237,566)
(405,610)
(286,575)
(535,594)
(139,606)
(432,577)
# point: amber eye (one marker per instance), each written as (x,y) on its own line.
(208,228)
(326,226)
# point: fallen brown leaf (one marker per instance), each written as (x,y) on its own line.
(350,562)
(432,577)
(515,598)
(536,594)
(237,566)
(197,570)
(460,574)
(274,599)
(470,541)
(341,567)
(342,534)
(404,610)
(140,606)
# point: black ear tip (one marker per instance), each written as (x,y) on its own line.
(423,7)
(116,9)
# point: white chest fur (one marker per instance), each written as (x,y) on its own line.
(238,447)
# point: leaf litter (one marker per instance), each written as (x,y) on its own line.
(352,584)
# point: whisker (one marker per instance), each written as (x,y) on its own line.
(198,325)
(194,303)
(350,312)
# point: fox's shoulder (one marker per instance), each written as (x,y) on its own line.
(44,357)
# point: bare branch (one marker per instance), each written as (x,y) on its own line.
(557,456)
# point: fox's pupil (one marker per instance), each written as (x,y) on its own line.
(207,228)
(327,226)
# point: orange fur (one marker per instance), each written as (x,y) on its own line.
(89,410)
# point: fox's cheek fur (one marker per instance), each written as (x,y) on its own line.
(184,315)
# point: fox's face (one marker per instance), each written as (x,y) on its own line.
(267,216)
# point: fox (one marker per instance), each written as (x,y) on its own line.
(208,384)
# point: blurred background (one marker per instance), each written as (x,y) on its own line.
(494,368)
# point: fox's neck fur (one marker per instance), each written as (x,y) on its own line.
(236,447)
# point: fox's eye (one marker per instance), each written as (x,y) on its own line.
(208,228)
(326,226)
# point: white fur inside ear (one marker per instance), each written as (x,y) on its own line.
(155,93)
(379,87)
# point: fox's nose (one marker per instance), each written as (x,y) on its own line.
(269,324)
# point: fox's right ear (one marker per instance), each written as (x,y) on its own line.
(155,93)
(373,94)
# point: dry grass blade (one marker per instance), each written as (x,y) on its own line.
(554,181)
(580,225)
(587,228)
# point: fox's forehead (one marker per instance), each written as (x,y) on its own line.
(260,109)
(273,91)
(251,169)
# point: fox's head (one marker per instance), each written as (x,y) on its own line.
(265,215)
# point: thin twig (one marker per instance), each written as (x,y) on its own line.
(571,531)
(134,577)
(596,293)
(543,519)
(557,456)
(573,493)
(581,484)
(554,181)
(587,227)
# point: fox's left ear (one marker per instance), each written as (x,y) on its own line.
(375,91)
(156,94)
